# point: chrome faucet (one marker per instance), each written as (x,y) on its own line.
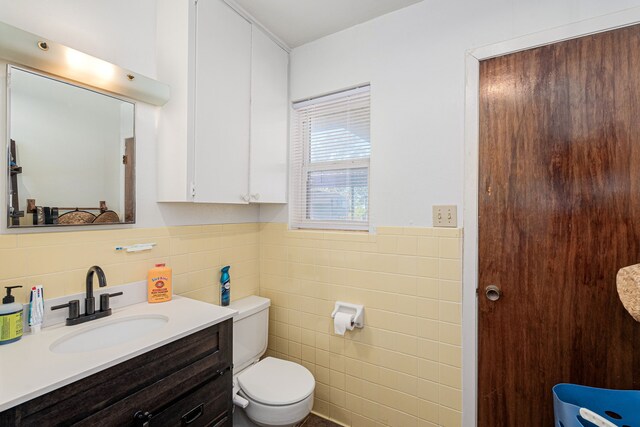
(89,302)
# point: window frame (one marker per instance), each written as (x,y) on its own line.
(306,167)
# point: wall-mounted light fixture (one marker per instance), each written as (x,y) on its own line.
(27,49)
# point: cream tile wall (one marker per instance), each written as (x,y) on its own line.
(404,367)
(60,260)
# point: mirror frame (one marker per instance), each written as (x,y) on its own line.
(129,193)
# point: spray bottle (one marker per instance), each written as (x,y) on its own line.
(225,286)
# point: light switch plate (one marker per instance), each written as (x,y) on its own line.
(445,216)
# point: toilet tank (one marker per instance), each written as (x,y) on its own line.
(250,330)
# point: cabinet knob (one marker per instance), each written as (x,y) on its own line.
(255,196)
(245,197)
(141,419)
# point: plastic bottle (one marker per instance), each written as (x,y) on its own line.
(159,287)
(10,318)
(225,286)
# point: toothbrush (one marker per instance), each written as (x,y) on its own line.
(136,248)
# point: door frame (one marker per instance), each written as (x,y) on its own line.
(473,57)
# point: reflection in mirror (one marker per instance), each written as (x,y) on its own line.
(71,154)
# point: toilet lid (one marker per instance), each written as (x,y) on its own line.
(277,382)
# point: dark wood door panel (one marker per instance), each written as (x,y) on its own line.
(559,214)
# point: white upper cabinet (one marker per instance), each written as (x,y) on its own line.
(175,58)
(223,104)
(269,125)
(222,137)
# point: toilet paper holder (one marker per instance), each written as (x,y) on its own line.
(355,310)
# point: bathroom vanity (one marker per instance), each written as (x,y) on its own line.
(168,382)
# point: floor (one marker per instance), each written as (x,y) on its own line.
(315,421)
(240,419)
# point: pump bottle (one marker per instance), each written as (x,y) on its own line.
(10,318)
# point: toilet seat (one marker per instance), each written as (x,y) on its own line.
(276,382)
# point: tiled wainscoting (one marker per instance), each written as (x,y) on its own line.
(59,260)
(403,367)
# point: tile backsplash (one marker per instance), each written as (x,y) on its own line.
(404,367)
(59,260)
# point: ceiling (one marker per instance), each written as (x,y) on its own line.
(297,22)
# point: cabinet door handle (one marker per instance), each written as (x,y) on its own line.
(193,414)
(245,197)
(255,196)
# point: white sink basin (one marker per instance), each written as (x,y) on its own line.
(109,333)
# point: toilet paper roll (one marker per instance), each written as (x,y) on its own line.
(342,323)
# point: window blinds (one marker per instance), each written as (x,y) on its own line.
(330,151)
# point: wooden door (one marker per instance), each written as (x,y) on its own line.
(559,214)
(222,107)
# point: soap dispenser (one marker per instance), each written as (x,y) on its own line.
(10,318)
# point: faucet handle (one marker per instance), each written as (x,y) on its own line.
(104,300)
(74,308)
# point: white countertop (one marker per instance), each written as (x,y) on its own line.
(29,369)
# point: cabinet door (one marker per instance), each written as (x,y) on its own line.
(269,120)
(222,110)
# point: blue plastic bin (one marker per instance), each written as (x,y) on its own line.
(620,407)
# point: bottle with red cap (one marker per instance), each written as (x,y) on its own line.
(159,284)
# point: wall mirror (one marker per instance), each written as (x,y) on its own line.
(71,154)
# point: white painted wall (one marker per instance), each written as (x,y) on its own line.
(122,32)
(414,59)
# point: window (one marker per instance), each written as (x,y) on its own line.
(330,151)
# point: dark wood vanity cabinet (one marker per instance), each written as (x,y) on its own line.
(185,383)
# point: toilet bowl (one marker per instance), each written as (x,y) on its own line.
(279,393)
(271,392)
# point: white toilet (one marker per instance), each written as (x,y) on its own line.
(273,392)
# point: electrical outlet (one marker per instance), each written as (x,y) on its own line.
(445,216)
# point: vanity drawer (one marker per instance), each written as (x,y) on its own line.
(155,380)
(200,393)
(210,405)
